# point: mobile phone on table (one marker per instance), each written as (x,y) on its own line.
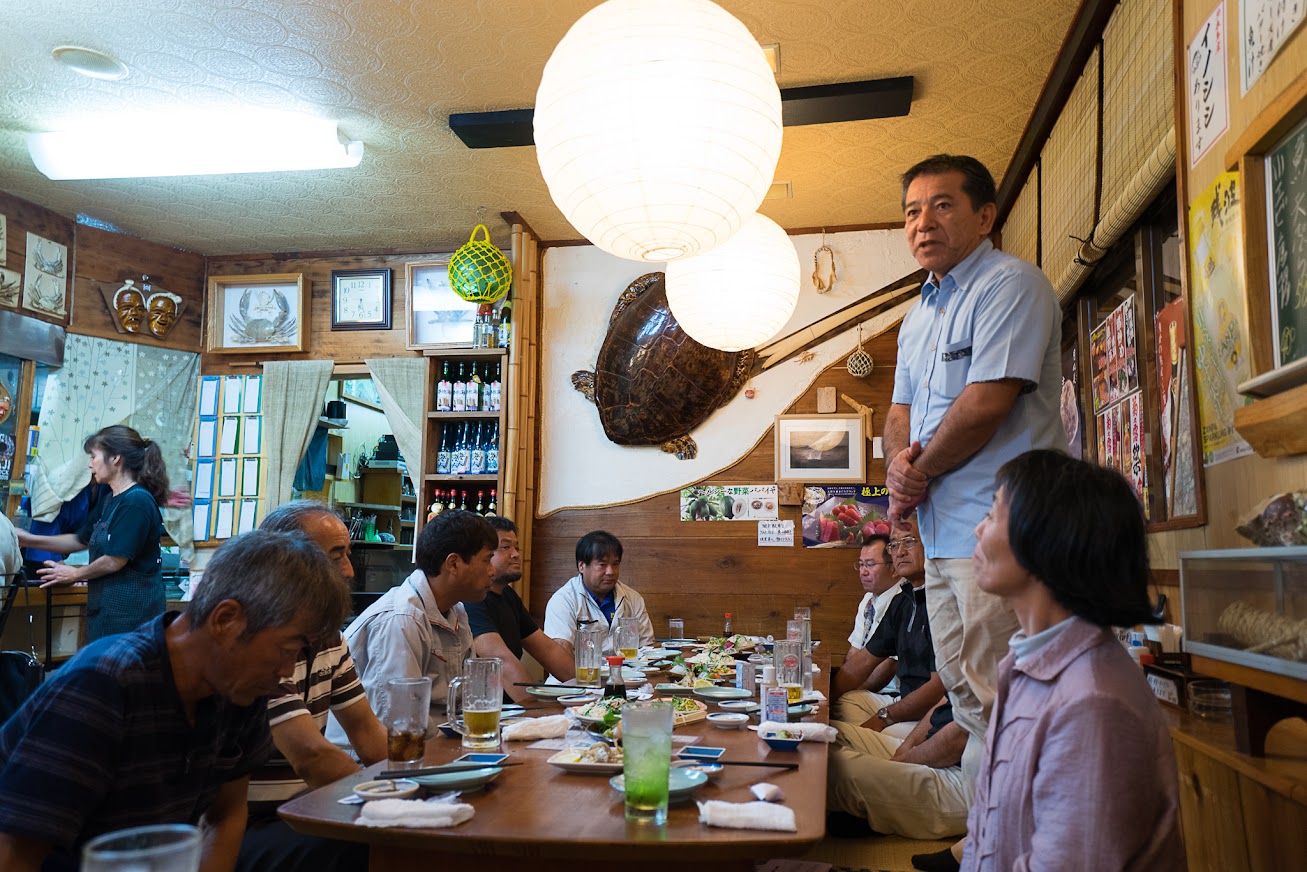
(482,758)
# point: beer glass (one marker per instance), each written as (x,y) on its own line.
(406,721)
(787,656)
(626,633)
(588,651)
(801,629)
(158,848)
(483,699)
(646,759)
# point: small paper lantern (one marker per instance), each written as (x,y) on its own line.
(657,127)
(478,271)
(739,294)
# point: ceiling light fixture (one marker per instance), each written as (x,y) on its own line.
(742,292)
(193,147)
(90,62)
(657,127)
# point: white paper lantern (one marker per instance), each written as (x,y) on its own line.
(739,294)
(657,127)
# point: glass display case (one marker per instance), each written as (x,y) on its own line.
(1247,606)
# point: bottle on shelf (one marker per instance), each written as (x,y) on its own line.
(444,454)
(492,449)
(491,508)
(505,323)
(462,501)
(459,391)
(477,461)
(496,388)
(444,390)
(481,503)
(473,392)
(461,461)
(436,506)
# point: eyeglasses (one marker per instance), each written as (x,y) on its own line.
(868,564)
(898,544)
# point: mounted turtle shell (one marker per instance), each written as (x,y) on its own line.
(653,384)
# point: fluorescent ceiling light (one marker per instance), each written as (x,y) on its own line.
(195,147)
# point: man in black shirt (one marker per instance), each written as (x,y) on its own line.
(502,627)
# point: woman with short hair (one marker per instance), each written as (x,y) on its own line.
(1079,772)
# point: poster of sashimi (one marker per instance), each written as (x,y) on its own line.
(842,516)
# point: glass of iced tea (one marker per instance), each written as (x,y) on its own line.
(483,699)
(409,708)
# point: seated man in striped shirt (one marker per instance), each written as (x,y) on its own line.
(325,680)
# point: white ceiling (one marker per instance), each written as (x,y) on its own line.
(391,71)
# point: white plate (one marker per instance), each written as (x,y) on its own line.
(682,782)
(579,699)
(728,720)
(473,779)
(569,760)
(739,705)
(385,788)
(722,693)
(673,688)
(551,692)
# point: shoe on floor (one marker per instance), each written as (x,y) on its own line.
(842,825)
(940,861)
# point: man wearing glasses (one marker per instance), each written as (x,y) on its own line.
(880,586)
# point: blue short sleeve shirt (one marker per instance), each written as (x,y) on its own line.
(992,317)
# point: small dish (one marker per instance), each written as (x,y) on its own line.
(799,709)
(778,744)
(466,781)
(673,688)
(707,767)
(682,782)
(569,760)
(551,692)
(739,705)
(728,720)
(722,693)
(385,788)
(448,730)
(578,699)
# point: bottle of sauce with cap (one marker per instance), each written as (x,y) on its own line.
(726,630)
(616,685)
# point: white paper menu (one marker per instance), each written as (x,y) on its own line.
(226,519)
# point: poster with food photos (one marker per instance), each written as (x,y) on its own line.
(729,502)
(843,516)
(45,280)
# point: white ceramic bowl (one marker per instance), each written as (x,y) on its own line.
(728,720)
(385,788)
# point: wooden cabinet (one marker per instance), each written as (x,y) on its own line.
(386,492)
(439,424)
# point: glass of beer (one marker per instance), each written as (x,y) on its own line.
(588,651)
(483,699)
(787,656)
(646,759)
(626,632)
(406,721)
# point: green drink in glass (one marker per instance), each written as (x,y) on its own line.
(646,760)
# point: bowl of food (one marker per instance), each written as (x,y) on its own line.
(782,740)
(728,720)
(386,788)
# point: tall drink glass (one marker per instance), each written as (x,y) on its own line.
(483,700)
(676,628)
(406,721)
(801,629)
(158,848)
(588,652)
(646,759)
(626,634)
(802,613)
(787,656)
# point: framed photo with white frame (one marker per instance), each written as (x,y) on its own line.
(437,317)
(820,448)
(258,313)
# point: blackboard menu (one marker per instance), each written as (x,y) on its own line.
(1286,206)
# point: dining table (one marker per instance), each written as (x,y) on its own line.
(551,819)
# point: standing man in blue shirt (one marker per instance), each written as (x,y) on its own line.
(977,383)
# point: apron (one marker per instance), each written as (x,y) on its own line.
(122,601)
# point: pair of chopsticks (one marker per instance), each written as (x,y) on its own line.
(440,770)
(706,761)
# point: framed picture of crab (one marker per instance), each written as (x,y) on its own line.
(820,448)
(258,313)
(437,317)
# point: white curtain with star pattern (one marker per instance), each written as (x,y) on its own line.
(105,382)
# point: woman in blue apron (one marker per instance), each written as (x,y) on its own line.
(125,581)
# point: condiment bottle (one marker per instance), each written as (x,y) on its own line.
(616,685)
(726,630)
(768,680)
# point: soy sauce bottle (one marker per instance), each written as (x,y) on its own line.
(616,685)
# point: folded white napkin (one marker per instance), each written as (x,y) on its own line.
(745,815)
(414,813)
(550,727)
(807,732)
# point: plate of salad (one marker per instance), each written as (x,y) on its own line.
(606,711)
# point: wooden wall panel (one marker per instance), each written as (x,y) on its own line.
(699,570)
(103,256)
(23,218)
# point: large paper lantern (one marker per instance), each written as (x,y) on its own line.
(657,127)
(741,293)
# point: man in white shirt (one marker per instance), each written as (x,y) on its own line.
(419,626)
(880,583)
(11,558)
(595,593)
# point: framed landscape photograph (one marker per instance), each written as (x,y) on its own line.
(437,317)
(820,448)
(258,313)
(360,299)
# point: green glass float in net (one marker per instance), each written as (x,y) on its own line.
(478,271)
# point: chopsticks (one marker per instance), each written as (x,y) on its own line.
(543,684)
(705,761)
(440,770)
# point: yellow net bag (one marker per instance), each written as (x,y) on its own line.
(479,272)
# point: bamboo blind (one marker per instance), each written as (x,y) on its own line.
(1021,229)
(1070,173)
(520,423)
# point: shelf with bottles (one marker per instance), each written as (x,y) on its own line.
(466,448)
(466,387)
(482,500)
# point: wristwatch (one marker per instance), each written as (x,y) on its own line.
(883,714)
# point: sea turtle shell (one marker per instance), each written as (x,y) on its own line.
(652,383)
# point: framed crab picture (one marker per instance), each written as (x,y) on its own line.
(258,313)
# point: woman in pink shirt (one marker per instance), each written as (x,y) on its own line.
(1078,773)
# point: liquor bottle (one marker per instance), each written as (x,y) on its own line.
(486,335)
(491,508)
(505,323)
(477,461)
(472,395)
(459,403)
(462,501)
(496,388)
(461,462)
(443,456)
(481,503)
(444,390)
(436,506)
(492,450)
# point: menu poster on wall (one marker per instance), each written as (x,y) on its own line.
(729,502)
(1264,27)
(1209,96)
(1216,293)
(1113,359)
(843,516)
(1179,496)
